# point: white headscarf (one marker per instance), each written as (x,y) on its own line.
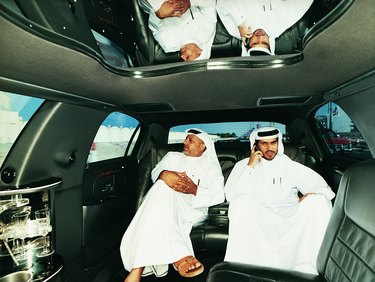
(210,151)
(267,133)
(246,53)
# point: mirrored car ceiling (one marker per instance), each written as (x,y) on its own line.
(119,32)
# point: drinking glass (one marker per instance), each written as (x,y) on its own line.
(20,220)
(18,200)
(42,218)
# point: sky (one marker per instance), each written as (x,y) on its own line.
(26,106)
(340,120)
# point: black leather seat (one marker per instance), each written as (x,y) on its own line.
(347,252)
(301,154)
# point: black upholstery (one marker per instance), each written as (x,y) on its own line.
(301,154)
(149,51)
(347,252)
(64,17)
(348,249)
(239,272)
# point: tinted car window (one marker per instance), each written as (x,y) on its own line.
(112,53)
(340,134)
(225,131)
(15,111)
(115,137)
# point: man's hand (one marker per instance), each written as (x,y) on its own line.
(245,32)
(189,52)
(304,196)
(179,182)
(166,10)
(255,157)
(173,8)
(180,6)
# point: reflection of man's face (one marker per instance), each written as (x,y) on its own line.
(190,52)
(259,39)
(193,146)
(269,148)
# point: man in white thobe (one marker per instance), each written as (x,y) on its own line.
(185,185)
(259,22)
(187,26)
(269,225)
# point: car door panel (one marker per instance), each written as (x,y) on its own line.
(105,215)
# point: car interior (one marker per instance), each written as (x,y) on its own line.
(107,100)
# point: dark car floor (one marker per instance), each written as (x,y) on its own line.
(112,270)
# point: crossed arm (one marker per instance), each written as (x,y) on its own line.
(173,8)
(179,182)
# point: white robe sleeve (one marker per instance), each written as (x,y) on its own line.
(164,164)
(150,5)
(197,25)
(238,180)
(288,13)
(206,30)
(309,181)
(230,14)
(210,191)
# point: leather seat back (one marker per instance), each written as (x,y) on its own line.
(301,154)
(347,252)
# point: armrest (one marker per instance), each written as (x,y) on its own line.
(218,215)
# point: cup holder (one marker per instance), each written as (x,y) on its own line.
(19,276)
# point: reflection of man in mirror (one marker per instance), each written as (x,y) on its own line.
(179,25)
(258,22)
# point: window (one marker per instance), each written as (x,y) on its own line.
(224,131)
(339,133)
(15,111)
(113,54)
(114,138)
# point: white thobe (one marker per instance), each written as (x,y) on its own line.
(159,232)
(273,16)
(197,25)
(267,224)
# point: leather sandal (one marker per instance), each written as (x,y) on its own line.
(185,263)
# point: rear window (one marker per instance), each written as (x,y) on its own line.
(224,131)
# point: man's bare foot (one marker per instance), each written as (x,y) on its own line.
(188,266)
